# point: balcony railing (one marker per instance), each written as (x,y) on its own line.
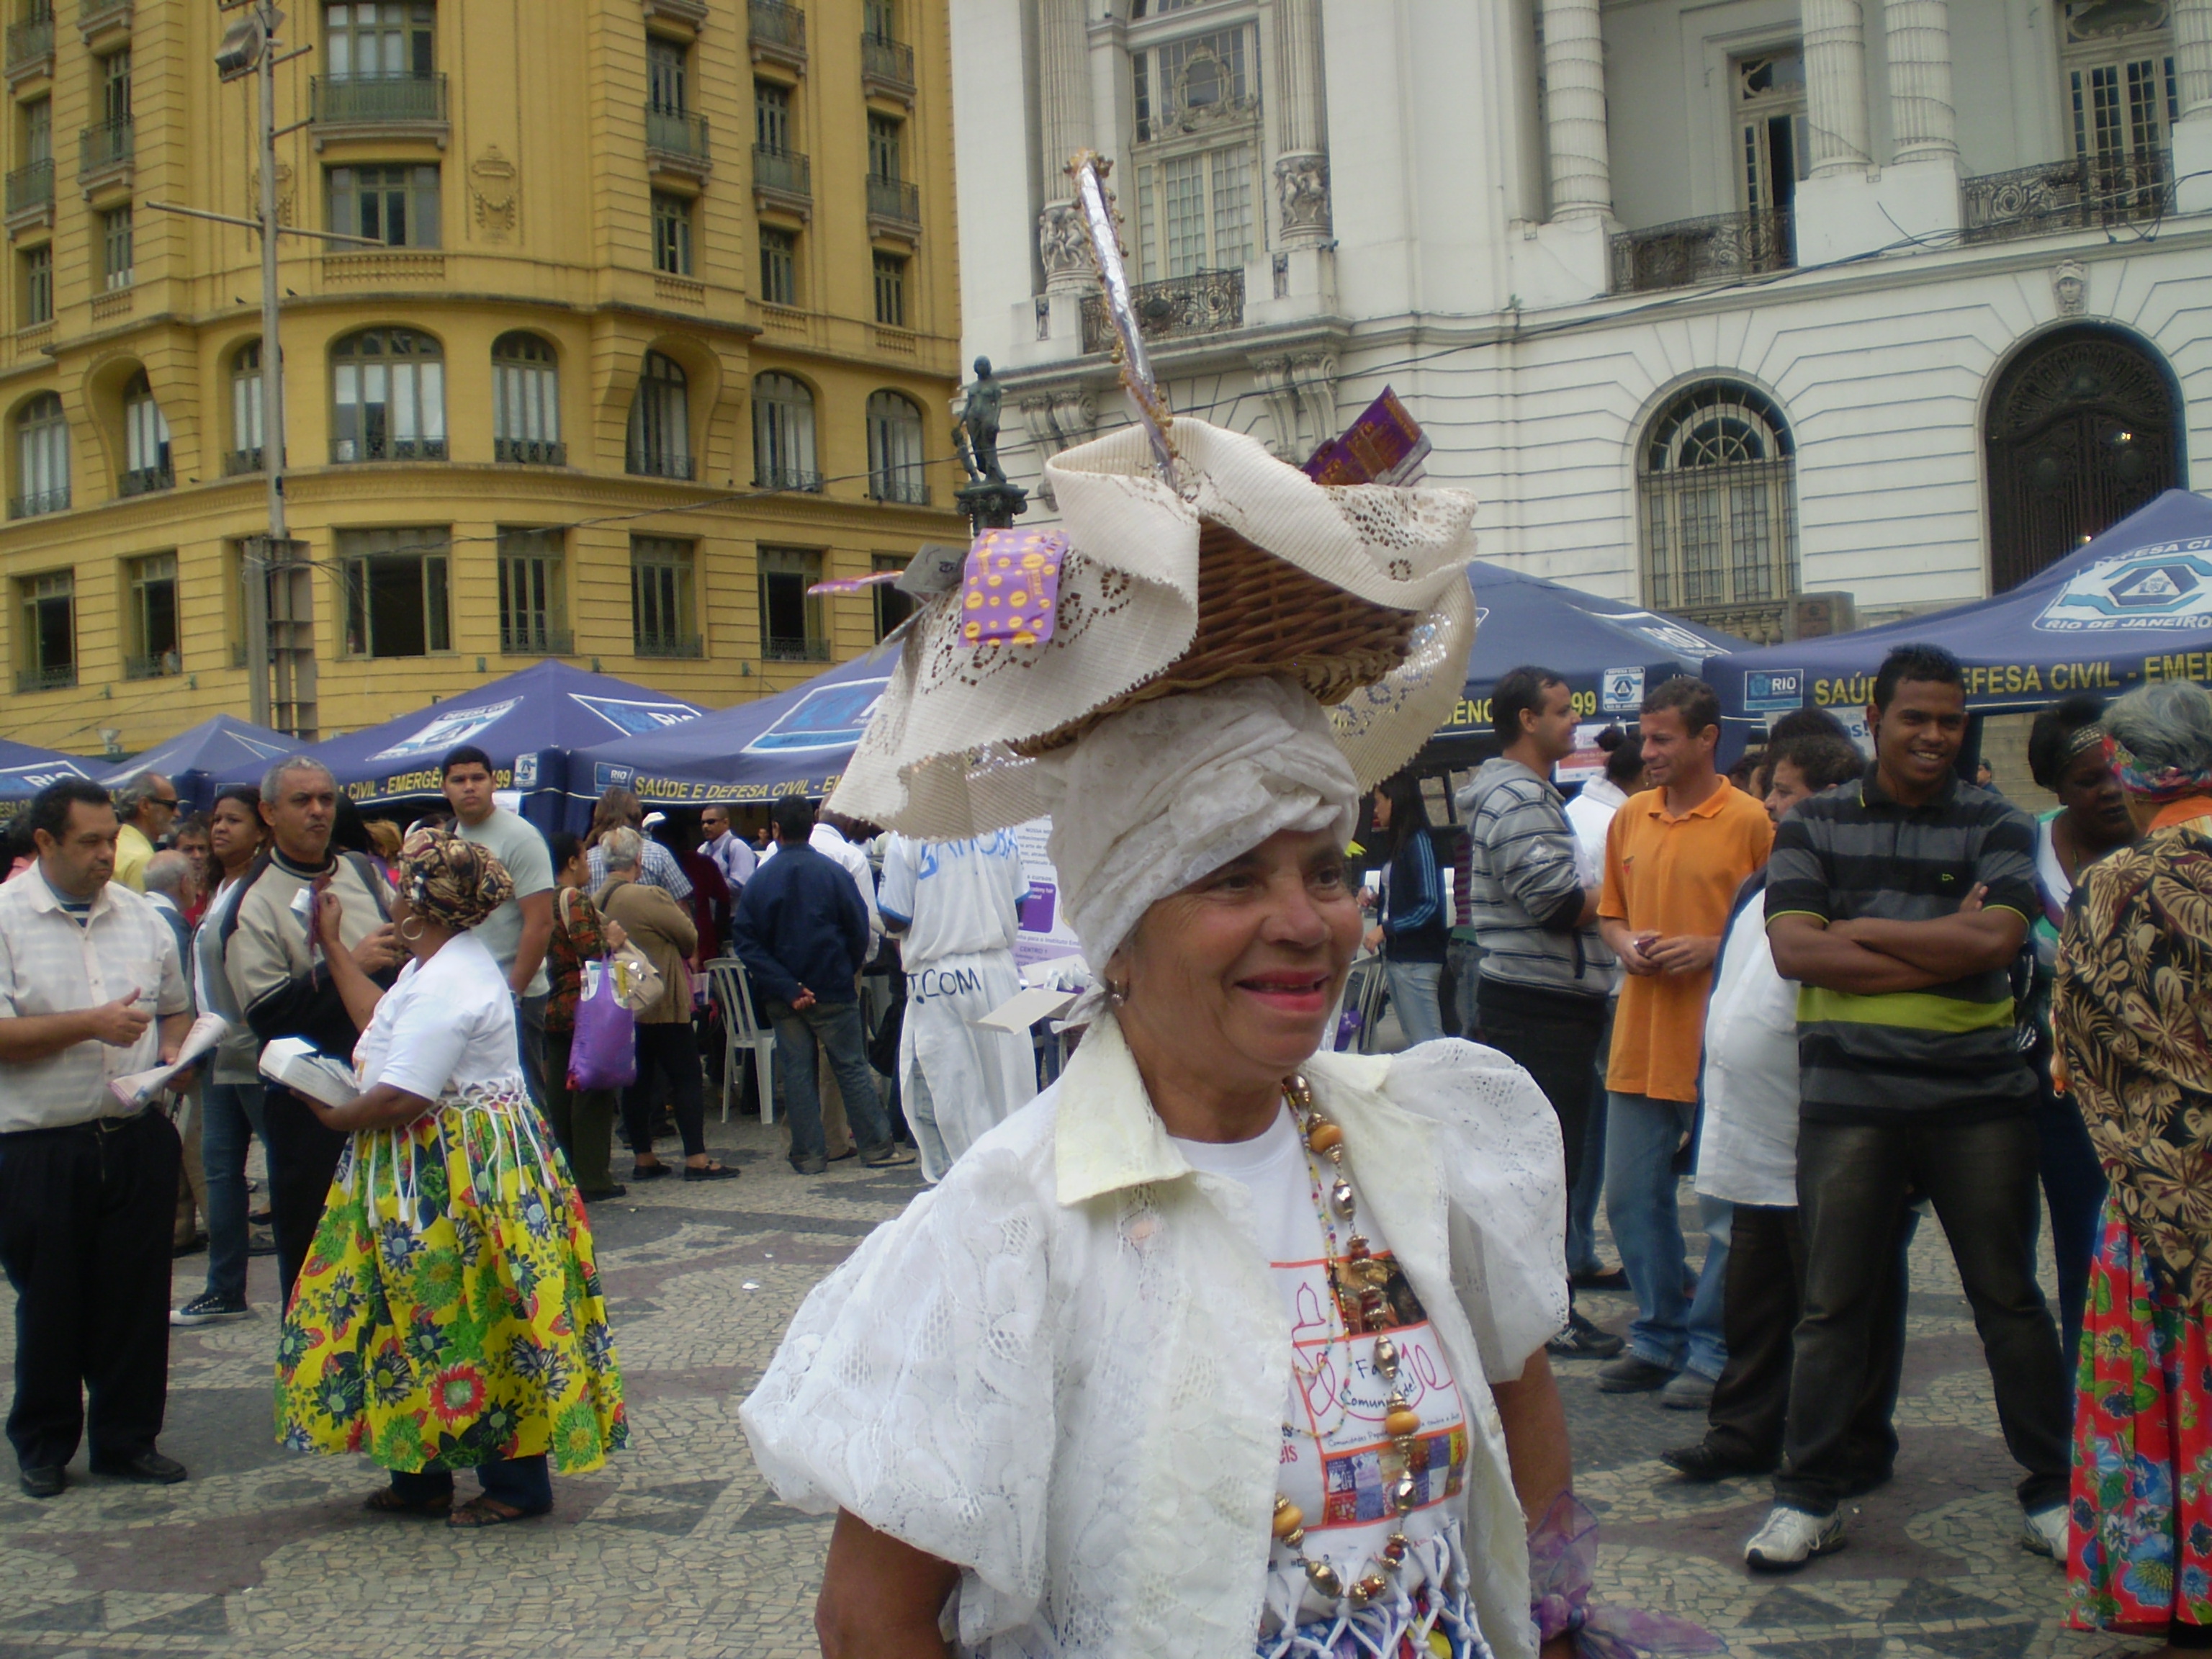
(907,492)
(2085,193)
(106,148)
(377,100)
(32,41)
(886,63)
(153,668)
(788,478)
(344,451)
(1720,249)
(678,135)
(781,650)
(144,480)
(778,32)
(527,642)
(1178,308)
(894,199)
(667,644)
(643,465)
(31,189)
(529,451)
(783,172)
(45,679)
(30,506)
(238,462)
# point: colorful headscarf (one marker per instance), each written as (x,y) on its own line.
(453,883)
(2165,783)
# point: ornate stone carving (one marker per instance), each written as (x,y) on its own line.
(1302,190)
(1075,415)
(1062,245)
(494,191)
(2069,286)
(1315,376)
(1273,374)
(284,191)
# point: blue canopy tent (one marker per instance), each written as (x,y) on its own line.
(795,742)
(25,769)
(196,760)
(529,723)
(2132,604)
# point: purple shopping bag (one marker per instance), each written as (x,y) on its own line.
(603,1054)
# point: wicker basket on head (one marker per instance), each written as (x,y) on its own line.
(1258,613)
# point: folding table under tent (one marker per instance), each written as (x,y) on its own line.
(2131,606)
(198,761)
(529,723)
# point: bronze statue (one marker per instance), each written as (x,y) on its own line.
(976,431)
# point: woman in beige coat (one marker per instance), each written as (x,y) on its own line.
(667,1053)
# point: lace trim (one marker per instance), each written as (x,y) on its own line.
(520,1142)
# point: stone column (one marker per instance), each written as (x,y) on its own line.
(1835,86)
(1301,157)
(1064,110)
(1574,81)
(2192,55)
(1923,120)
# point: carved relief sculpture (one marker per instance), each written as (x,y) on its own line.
(1061,246)
(1302,191)
(2069,286)
(492,191)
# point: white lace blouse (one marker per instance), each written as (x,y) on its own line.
(1064,1368)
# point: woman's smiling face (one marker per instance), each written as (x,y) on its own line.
(1237,973)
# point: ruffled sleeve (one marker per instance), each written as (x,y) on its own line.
(915,1388)
(1505,1174)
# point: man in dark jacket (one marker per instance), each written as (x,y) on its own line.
(803,933)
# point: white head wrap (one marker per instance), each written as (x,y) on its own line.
(1172,789)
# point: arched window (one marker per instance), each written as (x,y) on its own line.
(783,433)
(388,396)
(246,413)
(145,440)
(1717,482)
(895,464)
(2083,430)
(660,421)
(42,460)
(526,407)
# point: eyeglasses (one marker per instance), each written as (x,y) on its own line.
(170,801)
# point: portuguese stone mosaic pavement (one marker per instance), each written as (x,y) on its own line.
(677,1550)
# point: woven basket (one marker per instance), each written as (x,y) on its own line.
(1258,613)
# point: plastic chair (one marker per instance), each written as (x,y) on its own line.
(1363,992)
(734,992)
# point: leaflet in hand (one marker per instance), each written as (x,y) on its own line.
(140,1087)
(306,1070)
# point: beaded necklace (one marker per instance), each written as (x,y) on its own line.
(1401,1421)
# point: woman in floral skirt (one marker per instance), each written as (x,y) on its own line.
(449,1316)
(2134,981)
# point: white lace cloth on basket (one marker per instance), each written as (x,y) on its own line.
(1065,1367)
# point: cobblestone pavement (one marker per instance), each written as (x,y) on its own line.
(677,1550)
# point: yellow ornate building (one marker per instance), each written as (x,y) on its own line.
(655,323)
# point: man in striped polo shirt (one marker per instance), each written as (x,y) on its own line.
(1898,902)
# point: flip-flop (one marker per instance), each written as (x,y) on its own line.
(488,1511)
(387,1501)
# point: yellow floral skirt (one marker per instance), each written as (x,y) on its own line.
(449,1314)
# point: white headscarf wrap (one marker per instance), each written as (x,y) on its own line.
(1165,791)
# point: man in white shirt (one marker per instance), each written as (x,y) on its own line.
(1747,1155)
(91,989)
(519,932)
(957,906)
(730,852)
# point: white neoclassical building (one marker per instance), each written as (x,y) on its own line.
(1716,304)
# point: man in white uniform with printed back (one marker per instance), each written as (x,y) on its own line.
(956,907)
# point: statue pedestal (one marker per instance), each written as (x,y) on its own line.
(991,506)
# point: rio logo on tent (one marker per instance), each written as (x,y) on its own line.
(1773,690)
(2169,586)
(828,717)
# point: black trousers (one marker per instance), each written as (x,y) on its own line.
(85,1220)
(1852,1183)
(1554,1036)
(303,1156)
(667,1058)
(1764,1288)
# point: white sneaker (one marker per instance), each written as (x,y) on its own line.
(2043,1532)
(1791,1538)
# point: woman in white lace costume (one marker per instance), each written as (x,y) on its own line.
(1224,1344)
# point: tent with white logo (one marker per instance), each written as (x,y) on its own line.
(2129,606)
(25,769)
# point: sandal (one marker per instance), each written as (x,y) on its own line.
(709,1172)
(647,1171)
(387,1501)
(485,1511)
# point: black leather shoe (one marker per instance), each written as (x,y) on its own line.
(45,1481)
(1702,1463)
(150,1467)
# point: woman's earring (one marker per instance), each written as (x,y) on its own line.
(1117,995)
(417,934)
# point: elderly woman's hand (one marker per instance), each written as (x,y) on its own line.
(614,934)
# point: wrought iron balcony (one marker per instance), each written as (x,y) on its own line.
(106,149)
(886,64)
(783,175)
(778,32)
(529,451)
(679,136)
(896,487)
(2085,193)
(346,450)
(31,42)
(30,506)
(30,191)
(1205,302)
(788,477)
(667,644)
(1720,249)
(377,100)
(46,679)
(894,200)
(529,641)
(646,465)
(781,650)
(238,462)
(153,668)
(144,480)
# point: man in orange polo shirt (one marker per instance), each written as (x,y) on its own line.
(1674,858)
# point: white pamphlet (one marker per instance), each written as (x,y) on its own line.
(140,1087)
(306,1070)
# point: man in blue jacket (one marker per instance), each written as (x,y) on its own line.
(802,931)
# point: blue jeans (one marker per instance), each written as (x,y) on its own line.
(838,1026)
(230,1116)
(522,1483)
(1413,994)
(1672,1327)
(1466,958)
(1590,1179)
(2074,1187)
